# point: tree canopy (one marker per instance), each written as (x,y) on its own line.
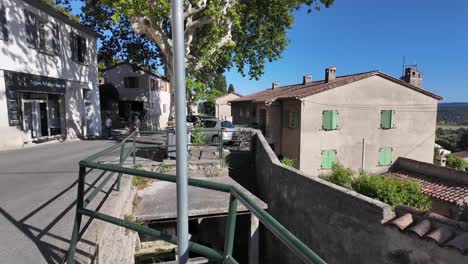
(231,88)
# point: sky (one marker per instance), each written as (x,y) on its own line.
(364,35)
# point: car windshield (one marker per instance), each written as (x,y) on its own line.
(209,123)
(227,124)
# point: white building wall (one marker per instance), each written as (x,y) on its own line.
(223,108)
(17,56)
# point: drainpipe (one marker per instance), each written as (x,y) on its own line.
(181,129)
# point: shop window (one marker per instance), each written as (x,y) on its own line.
(3,24)
(41,34)
(328,159)
(131,82)
(330,120)
(387,119)
(385,156)
(78,48)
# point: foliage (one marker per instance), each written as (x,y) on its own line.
(138,181)
(108,95)
(463,142)
(392,191)
(231,88)
(196,91)
(218,33)
(287,161)
(63,6)
(453,113)
(452,139)
(340,175)
(456,162)
(197,135)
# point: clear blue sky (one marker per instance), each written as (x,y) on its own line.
(364,35)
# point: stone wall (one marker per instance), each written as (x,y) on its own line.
(340,225)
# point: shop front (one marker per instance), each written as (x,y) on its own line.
(36,105)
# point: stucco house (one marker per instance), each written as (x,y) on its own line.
(364,121)
(48,75)
(223,106)
(143,91)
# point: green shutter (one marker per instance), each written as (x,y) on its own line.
(329,120)
(385,156)
(328,159)
(295,119)
(387,119)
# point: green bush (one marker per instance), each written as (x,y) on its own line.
(340,176)
(197,135)
(456,162)
(138,181)
(392,191)
(287,161)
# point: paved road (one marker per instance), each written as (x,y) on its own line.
(37,195)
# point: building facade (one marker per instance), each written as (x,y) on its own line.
(48,75)
(223,107)
(141,91)
(363,121)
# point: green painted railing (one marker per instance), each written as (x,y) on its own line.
(110,170)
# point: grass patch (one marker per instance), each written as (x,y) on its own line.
(138,181)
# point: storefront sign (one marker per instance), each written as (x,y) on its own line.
(16,82)
(34,83)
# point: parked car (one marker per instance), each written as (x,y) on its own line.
(197,118)
(211,127)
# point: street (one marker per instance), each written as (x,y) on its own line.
(37,196)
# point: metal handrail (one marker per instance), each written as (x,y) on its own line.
(236,195)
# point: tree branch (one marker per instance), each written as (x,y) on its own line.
(143,25)
(191,11)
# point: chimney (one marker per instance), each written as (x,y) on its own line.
(307,79)
(413,76)
(330,73)
(275,85)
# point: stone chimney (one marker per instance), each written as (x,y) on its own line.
(275,85)
(330,73)
(307,79)
(413,77)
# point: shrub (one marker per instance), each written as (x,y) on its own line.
(287,161)
(340,176)
(197,135)
(392,191)
(456,162)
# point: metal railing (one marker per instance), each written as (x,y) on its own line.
(109,170)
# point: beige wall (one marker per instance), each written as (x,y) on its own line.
(291,137)
(359,105)
(223,109)
(116,77)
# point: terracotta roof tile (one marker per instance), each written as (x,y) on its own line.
(433,227)
(448,191)
(304,90)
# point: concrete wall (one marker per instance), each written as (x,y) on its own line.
(340,225)
(222,108)
(17,56)
(116,77)
(359,105)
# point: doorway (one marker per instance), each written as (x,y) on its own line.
(35,119)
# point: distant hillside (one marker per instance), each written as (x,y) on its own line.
(453,113)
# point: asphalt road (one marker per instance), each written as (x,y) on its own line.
(37,200)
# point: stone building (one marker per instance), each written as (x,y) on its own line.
(364,121)
(223,107)
(141,91)
(48,75)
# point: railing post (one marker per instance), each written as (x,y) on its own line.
(220,137)
(78,216)
(134,148)
(121,161)
(230,227)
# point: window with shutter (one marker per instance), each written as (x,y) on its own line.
(295,123)
(3,24)
(387,119)
(286,118)
(328,159)
(73,46)
(55,39)
(330,120)
(385,156)
(31,29)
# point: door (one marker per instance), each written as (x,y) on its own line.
(43,119)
